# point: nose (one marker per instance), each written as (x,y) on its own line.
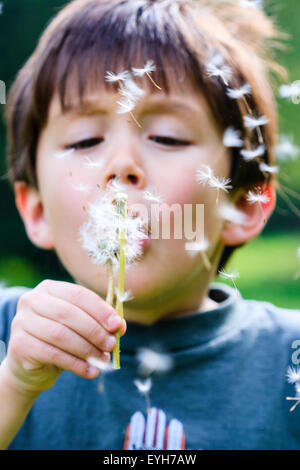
(126,170)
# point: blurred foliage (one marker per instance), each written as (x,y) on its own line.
(266,265)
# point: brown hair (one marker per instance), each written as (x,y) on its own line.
(89,37)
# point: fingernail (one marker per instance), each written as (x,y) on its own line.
(110,342)
(92,370)
(113,321)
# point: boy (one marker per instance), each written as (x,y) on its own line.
(227,387)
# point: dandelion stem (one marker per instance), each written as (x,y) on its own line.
(206,261)
(121,281)
(262,211)
(155,84)
(110,289)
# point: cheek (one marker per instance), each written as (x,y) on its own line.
(67,189)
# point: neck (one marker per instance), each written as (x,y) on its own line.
(184,298)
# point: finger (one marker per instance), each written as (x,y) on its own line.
(75,319)
(86,300)
(44,353)
(58,335)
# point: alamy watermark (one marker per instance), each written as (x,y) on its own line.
(296,354)
(187,221)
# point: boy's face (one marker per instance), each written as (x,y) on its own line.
(167,279)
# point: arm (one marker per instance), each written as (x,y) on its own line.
(15,404)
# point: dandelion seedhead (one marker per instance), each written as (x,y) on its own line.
(100,234)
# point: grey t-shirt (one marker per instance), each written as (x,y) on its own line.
(227,388)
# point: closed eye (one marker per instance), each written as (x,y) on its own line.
(169,141)
(85,144)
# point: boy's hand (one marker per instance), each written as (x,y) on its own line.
(57,326)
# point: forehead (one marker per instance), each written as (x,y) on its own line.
(190,103)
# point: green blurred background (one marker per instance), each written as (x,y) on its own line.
(267,265)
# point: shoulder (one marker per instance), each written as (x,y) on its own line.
(9,297)
(278,326)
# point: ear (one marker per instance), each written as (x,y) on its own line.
(31,210)
(256,216)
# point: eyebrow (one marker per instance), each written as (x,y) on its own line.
(90,108)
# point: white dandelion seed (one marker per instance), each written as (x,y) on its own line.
(104,368)
(249,155)
(151,361)
(216,67)
(255,4)
(230,276)
(268,168)
(237,93)
(89,163)
(193,248)
(101,365)
(125,106)
(125,296)
(286,149)
(144,388)
(116,77)
(63,154)
(291,91)
(293,377)
(82,187)
(203,175)
(232,138)
(252,122)
(115,186)
(130,90)
(148,68)
(153,196)
(220,184)
(257,196)
(293,374)
(230,213)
